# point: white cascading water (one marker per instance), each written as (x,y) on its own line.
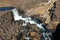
(27,19)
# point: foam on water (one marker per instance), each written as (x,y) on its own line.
(27,19)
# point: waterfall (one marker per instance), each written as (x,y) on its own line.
(27,19)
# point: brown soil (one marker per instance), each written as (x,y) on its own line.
(9,28)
